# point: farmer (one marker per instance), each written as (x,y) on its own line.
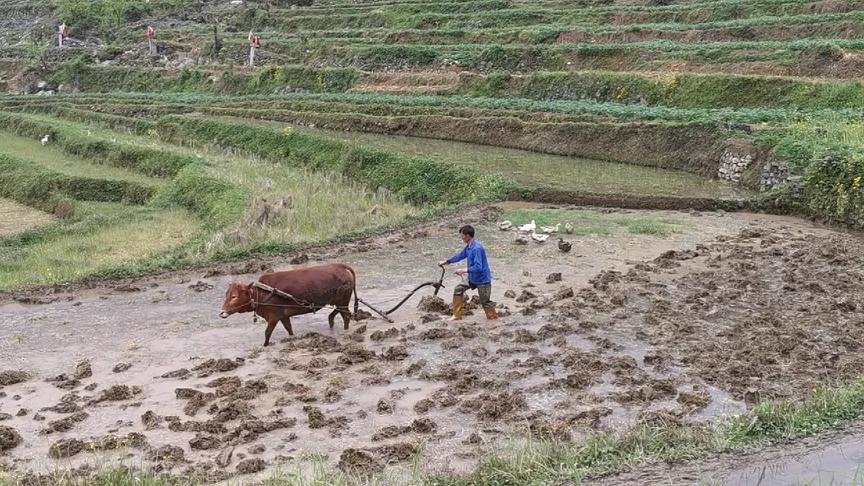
(479,275)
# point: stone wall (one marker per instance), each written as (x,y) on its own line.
(733,163)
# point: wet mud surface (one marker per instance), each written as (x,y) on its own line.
(697,324)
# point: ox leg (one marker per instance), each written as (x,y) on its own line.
(270,326)
(346,316)
(331,318)
(287,324)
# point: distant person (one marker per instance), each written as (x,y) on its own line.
(479,275)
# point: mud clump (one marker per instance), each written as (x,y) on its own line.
(116,393)
(695,401)
(432,303)
(232,410)
(13,377)
(82,370)
(525,296)
(359,462)
(68,404)
(317,363)
(315,417)
(201,286)
(204,442)
(317,420)
(151,420)
(220,365)
(437,333)
(395,353)
(251,466)
(181,373)
(490,406)
(65,448)
(65,424)
(166,453)
(113,442)
(9,438)
(382,335)
(385,406)
(355,354)
(553,277)
(121,367)
(424,426)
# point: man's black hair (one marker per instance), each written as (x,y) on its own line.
(467,230)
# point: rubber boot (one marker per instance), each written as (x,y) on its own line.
(458,306)
(491,314)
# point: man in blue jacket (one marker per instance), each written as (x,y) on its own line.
(479,275)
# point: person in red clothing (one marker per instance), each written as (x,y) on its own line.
(479,275)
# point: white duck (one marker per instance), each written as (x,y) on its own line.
(568,228)
(505,225)
(46,139)
(550,229)
(539,238)
(528,228)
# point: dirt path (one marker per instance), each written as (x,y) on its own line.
(154,377)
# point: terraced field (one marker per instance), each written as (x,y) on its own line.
(366,132)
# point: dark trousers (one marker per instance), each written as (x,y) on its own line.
(485,291)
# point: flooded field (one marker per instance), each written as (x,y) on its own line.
(15,218)
(691,324)
(546,171)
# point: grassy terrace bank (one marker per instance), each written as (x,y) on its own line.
(533,462)
(826,159)
(215,207)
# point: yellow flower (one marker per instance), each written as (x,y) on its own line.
(856,181)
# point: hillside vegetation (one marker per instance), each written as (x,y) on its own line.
(763,95)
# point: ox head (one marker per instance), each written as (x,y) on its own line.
(238,298)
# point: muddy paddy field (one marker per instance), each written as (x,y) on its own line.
(690,325)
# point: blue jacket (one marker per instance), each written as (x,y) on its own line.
(479,272)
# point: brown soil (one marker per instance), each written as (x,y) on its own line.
(11,377)
(66,448)
(685,327)
(9,438)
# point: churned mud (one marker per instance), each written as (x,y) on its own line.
(730,309)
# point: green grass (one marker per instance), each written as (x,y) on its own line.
(54,158)
(588,222)
(106,238)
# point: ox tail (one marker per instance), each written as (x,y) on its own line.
(354,289)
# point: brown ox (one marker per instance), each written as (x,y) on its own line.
(297,292)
